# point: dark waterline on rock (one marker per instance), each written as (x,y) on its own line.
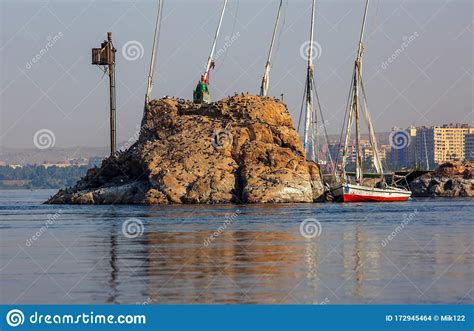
(411,252)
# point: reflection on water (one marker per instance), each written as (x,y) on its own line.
(259,256)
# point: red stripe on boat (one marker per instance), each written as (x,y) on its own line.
(366,198)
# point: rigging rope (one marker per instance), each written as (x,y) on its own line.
(301,110)
(349,98)
(375,27)
(232,34)
(326,136)
(372,138)
(282,27)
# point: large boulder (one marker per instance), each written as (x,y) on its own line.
(449,180)
(243,149)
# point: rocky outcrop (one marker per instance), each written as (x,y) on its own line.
(243,149)
(449,180)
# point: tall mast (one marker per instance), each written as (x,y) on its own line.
(426,150)
(211,55)
(354,109)
(266,75)
(357,78)
(361,39)
(153,54)
(309,87)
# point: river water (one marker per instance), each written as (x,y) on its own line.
(411,252)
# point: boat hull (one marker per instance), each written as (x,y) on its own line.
(359,193)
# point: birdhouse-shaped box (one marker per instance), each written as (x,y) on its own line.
(104,55)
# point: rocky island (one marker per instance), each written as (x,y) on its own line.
(451,179)
(242,149)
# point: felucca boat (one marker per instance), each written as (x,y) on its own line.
(357,189)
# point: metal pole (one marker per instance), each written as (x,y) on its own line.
(311,36)
(113,132)
(211,55)
(309,85)
(358,69)
(266,75)
(359,175)
(361,39)
(153,54)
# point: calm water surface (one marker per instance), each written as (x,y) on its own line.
(413,252)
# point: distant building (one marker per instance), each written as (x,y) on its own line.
(335,150)
(469,147)
(384,152)
(368,152)
(405,157)
(59,165)
(423,148)
(78,161)
(432,146)
(449,142)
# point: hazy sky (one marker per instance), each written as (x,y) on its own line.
(429,80)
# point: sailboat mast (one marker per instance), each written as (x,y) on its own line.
(361,39)
(426,150)
(309,84)
(359,174)
(153,54)
(211,55)
(357,77)
(266,75)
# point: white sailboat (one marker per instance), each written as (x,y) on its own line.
(345,189)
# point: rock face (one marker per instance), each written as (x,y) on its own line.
(449,180)
(243,149)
